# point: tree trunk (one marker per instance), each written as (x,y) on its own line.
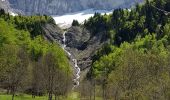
(104,95)
(94,85)
(55,97)
(8,90)
(50,96)
(13,92)
(90,95)
(33,96)
(103,91)
(33,93)
(50,87)
(13,96)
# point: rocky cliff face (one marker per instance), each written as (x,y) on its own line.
(82,45)
(56,7)
(79,42)
(4,5)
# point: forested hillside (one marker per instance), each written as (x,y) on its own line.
(29,63)
(134,63)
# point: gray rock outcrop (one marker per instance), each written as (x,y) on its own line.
(4,5)
(57,7)
(79,42)
(82,45)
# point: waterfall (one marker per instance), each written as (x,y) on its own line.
(76,68)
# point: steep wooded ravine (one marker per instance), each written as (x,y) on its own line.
(80,42)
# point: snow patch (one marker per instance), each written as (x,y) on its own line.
(65,21)
(12,13)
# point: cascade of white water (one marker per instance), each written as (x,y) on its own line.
(77,69)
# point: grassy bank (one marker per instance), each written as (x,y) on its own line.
(73,96)
(22,97)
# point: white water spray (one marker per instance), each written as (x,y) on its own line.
(76,68)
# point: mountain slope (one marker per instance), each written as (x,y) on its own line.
(53,7)
(4,5)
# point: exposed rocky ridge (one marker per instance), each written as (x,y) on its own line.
(52,33)
(57,7)
(4,5)
(78,40)
(83,45)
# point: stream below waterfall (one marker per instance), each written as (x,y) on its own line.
(76,68)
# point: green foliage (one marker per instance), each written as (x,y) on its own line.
(127,25)
(140,75)
(75,23)
(22,46)
(2,11)
(145,28)
(135,62)
(33,24)
(18,30)
(96,24)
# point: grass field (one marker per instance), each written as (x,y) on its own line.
(72,96)
(23,97)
